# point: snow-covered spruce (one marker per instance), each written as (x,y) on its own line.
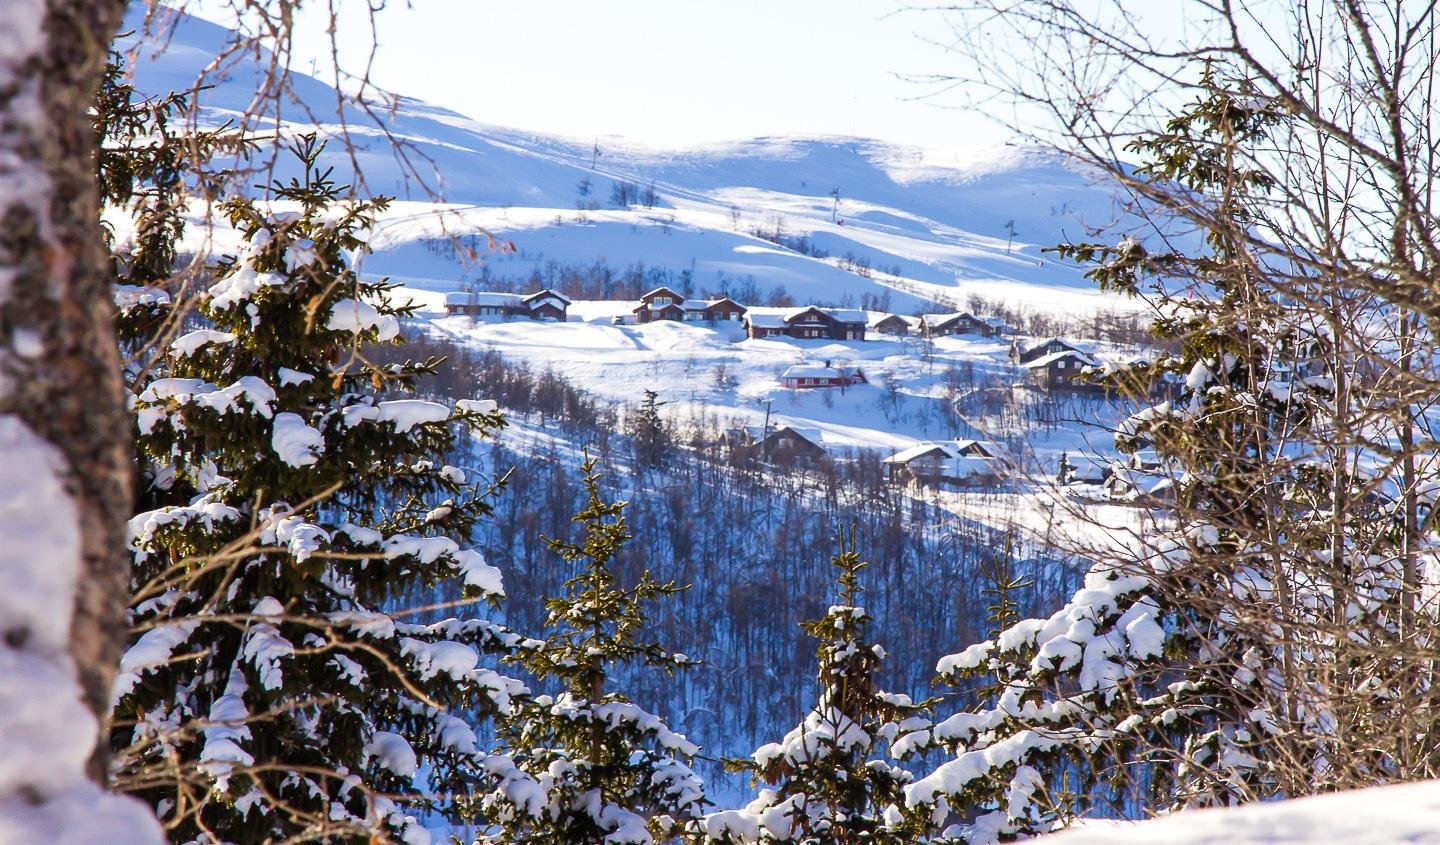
(271,691)
(829,782)
(1249,649)
(586,764)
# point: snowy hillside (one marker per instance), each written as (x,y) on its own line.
(911,230)
(912,225)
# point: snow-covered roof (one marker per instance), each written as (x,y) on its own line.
(816,371)
(792,314)
(481,297)
(846,315)
(1090,467)
(1047,360)
(967,466)
(879,318)
(808,434)
(550,294)
(1060,340)
(706,304)
(766,321)
(1145,457)
(658,290)
(536,302)
(950,449)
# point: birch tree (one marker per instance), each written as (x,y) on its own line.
(65,481)
(1291,583)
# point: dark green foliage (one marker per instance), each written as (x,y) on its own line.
(830,785)
(291,499)
(652,439)
(586,764)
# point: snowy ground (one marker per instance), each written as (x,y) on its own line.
(1409,813)
(715,371)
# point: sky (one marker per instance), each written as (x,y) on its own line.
(670,71)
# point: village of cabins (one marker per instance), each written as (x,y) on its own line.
(1052,365)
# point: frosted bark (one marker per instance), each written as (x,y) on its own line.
(64,471)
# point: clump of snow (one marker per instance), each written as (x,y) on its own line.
(296,443)
(354,316)
(289,377)
(302,539)
(225,730)
(188,344)
(353,415)
(454,659)
(408,413)
(154,648)
(477,573)
(192,391)
(477,406)
(300,254)
(392,751)
(365,622)
(134,296)
(240,286)
(142,527)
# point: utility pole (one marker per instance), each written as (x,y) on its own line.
(595,154)
(765,429)
(835,209)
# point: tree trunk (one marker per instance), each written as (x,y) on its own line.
(65,473)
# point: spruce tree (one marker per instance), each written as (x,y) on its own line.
(585,764)
(1146,690)
(828,783)
(651,437)
(292,503)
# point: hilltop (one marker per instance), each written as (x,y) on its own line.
(829,220)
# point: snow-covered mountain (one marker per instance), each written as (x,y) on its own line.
(910,224)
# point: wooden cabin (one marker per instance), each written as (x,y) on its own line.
(807,376)
(1042,349)
(665,304)
(962,323)
(1057,371)
(809,323)
(541,305)
(960,463)
(891,324)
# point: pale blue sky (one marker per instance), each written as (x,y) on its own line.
(668,71)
